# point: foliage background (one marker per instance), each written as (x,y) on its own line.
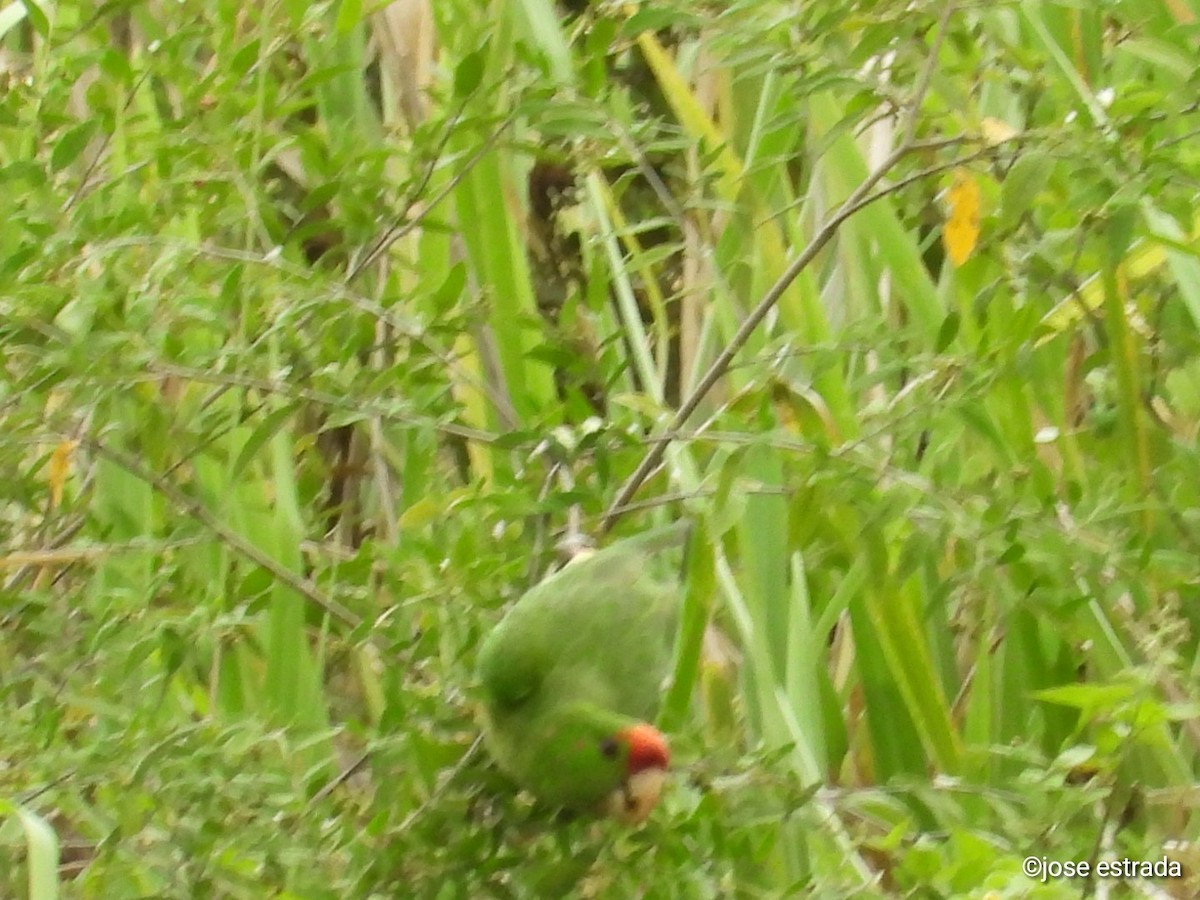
(321,321)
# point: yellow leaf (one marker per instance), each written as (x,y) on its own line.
(58,469)
(421,513)
(804,411)
(961,231)
(1146,256)
(997,131)
(55,400)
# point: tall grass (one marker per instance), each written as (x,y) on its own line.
(315,341)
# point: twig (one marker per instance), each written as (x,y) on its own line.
(341,778)
(822,237)
(441,788)
(404,225)
(240,545)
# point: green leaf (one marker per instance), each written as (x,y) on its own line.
(68,147)
(245,57)
(41,850)
(265,430)
(37,18)
(1088,696)
(350,13)
(1022,185)
(451,289)
(948,332)
(469,73)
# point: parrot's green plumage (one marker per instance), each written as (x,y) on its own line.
(572,676)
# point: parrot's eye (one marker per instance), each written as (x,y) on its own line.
(608,748)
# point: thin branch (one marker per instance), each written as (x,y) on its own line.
(437,792)
(822,237)
(341,778)
(236,542)
(914,110)
(404,225)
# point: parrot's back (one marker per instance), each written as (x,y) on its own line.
(599,630)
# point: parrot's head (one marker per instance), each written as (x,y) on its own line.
(613,764)
(643,754)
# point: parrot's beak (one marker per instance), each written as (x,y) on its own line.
(634,800)
(646,772)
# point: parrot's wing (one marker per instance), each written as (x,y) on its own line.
(586,628)
(512,663)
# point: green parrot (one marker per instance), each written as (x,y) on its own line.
(572,677)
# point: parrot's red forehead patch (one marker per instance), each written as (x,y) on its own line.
(647,748)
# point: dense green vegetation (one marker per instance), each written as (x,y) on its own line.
(321,323)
